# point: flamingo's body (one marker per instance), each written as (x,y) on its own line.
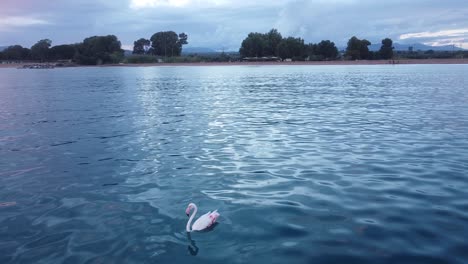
(205,221)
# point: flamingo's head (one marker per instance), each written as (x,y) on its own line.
(189,208)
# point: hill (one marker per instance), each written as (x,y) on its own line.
(416,47)
(199,50)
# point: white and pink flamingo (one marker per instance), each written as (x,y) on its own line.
(204,222)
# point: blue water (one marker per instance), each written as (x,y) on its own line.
(306,164)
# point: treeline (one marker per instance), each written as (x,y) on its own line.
(189,58)
(358,49)
(431,54)
(99,49)
(167,46)
(164,43)
(92,51)
(272,44)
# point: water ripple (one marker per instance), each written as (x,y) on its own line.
(335,164)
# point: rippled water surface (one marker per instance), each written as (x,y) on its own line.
(306,164)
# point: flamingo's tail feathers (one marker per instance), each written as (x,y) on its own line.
(215,214)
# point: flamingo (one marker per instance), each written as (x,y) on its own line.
(205,221)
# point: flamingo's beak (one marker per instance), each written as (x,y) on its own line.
(187,215)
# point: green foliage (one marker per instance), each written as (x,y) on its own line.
(254,45)
(374,55)
(117,57)
(326,49)
(99,50)
(183,39)
(386,50)
(365,54)
(62,52)
(16,52)
(273,44)
(192,58)
(292,48)
(273,39)
(358,49)
(182,59)
(260,45)
(311,51)
(431,54)
(223,57)
(40,50)
(168,43)
(141,46)
(141,59)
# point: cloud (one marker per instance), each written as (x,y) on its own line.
(11,22)
(442,33)
(225,23)
(458,37)
(204,4)
(139,4)
(315,20)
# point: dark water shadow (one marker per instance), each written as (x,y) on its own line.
(192,247)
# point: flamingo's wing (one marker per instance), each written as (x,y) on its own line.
(205,221)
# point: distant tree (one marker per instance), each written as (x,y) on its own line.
(273,44)
(62,52)
(168,43)
(223,57)
(260,45)
(311,51)
(40,50)
(374,55)
(365,49)
(327,49)
(16,52)
(430,52)
(98,50)
(386,50)
(141,46)
(353,48)
(293,48)
(183,39)
(255,45)
(357,49)
(273,39)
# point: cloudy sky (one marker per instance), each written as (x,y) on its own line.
(222,24)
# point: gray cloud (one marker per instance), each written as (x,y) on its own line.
(372,20)
(224,23)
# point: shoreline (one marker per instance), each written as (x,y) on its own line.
(298,63)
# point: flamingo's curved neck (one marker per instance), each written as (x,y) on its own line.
(189,223)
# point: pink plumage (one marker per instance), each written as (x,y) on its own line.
(203,222)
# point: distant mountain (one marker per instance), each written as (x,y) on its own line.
(416,47)
(192,50)
(3,48)
(128,52)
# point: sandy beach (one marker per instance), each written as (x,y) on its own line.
(317,63)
